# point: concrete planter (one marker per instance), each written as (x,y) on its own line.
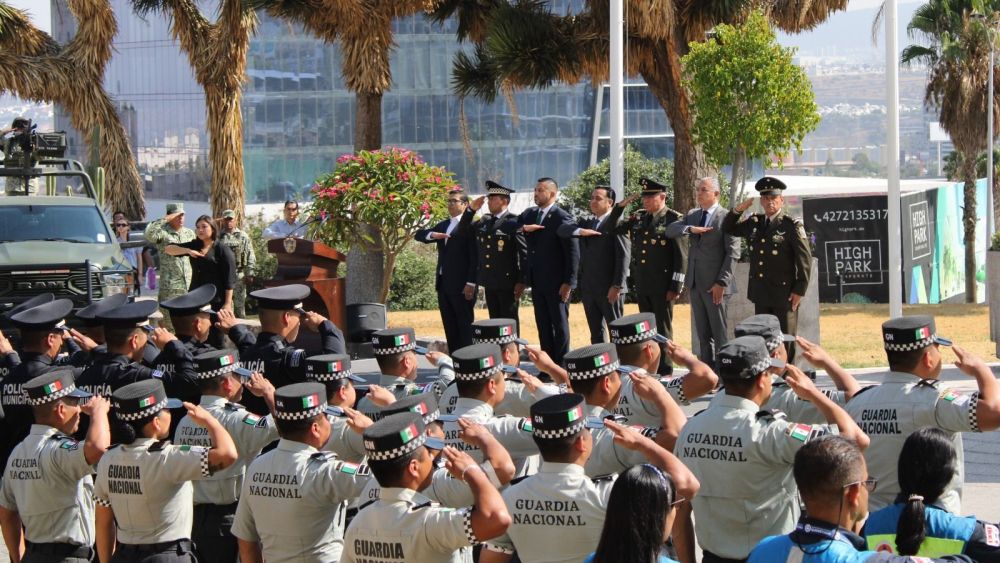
(993,294)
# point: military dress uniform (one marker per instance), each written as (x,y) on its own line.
(174,274)
(558,513)
(502,254)
(659,264)
(903,403)
(779,255)
(280,361)
(48,483)
(293,497)
(147,484)
(328,369)
(402,525)
(246,262)
(384,343)
(743,457)
(215,497)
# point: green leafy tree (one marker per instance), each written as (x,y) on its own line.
(750,100)
(392,191)
(576,195)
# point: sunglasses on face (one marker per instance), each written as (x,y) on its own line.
(121,224)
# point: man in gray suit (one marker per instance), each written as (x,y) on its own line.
(604,259)
(711,256)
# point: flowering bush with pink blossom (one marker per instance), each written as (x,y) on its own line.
(391,190)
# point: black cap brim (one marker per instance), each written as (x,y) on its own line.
(80,394)
(334,411)
(942,341)
(356,378)
(660,338)
(776,363)
(448,417)
(521,341)
(433,443)
(173,404)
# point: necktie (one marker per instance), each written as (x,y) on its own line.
(704,217)
(767,223)
(541,216)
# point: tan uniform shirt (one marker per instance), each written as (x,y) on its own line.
(399,386)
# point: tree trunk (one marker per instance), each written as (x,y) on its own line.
(969,226)
(366,267)
(738,176)
(390,266)
(225,152)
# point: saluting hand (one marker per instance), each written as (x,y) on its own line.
(161,337)
(357,420)
(648,387)
(433,356)
(198,414)
(312,320)
(679,354)
(259,386)
(812,352)
(381,396)
(472,432)
(83,340)
(531,383)
(968,362)
(477,203)
(800,383)
(226,320)
(457,461)
(627,201)
(96,406)
(625,436)
(744,205)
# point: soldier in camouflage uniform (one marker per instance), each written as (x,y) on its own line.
(239,242)
(12,150)
(175,271)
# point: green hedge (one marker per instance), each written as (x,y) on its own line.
(412,286)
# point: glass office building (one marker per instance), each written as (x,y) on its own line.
(298,114)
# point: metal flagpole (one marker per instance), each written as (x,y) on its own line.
(617,114)
(892,162)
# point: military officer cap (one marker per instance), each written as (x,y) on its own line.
(496,331)
(48,316)
(88,315)
(423,404)
(744,358)
(175,207)
(35,301)
(651,187)
(129,315)
(141,399)
(493,188)
(281,298)
(53,385)
(630,329)
(915,332)
(558,416)
(330,367)
(765,326)
(229,214)
(591,362)
(393,341)
(769,185)
(191,303)
(398,435)
(479,361)
(216,363)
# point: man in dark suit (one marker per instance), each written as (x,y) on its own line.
(455,281)
(711,255)
(551,267)
(502,250)
(604,258)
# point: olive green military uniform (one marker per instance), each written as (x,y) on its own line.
(246,262)
(15,186)
(174,274)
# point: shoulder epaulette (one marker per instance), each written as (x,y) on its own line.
(602,478)
(428,504)
(323,456)
(699,412)
(676,213)
(233,406)
(863,389)
(159,446)
(770,413)
(931,383)
(517,480)
(362,507)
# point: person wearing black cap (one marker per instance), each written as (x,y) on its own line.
(778,250)
(559,512)
(143,490)
(402,525)
(551,268)
(281,318)
(604,263)
(397,364)
(47,481)
(503,251)
(660,261)
(743,455)
(292,504)
(910,397)
(215,497)
(346,424)
(92,327)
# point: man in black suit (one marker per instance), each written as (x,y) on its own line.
(502,250)
(604,258)
(711,256)
(551,267)
(455,281)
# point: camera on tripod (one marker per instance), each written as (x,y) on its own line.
(32,145)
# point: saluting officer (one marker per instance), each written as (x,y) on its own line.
(660,261)
(47,484)
(397,364)
(402,525)
(143,489)
(778,250)
(503,251)
(192,317)
(334,372)
(558,513)
(215,496)
(743,455)
(281,318)
(910,397)
(93,328)
(292,505)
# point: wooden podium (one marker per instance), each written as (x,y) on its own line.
(313,264)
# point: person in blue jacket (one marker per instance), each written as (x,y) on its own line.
(834,484)
(915,524)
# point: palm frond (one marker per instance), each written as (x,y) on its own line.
(18,35)
(473,16)
(918,53)
(475,75)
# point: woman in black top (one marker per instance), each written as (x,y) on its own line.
(211,263)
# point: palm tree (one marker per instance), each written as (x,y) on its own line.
(524,45)
(218,54)
(35,67)
(958,57)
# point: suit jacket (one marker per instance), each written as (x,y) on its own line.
(604,259)
(457,262)
(710,256)
(502,249)
(552,260)
(779,255)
